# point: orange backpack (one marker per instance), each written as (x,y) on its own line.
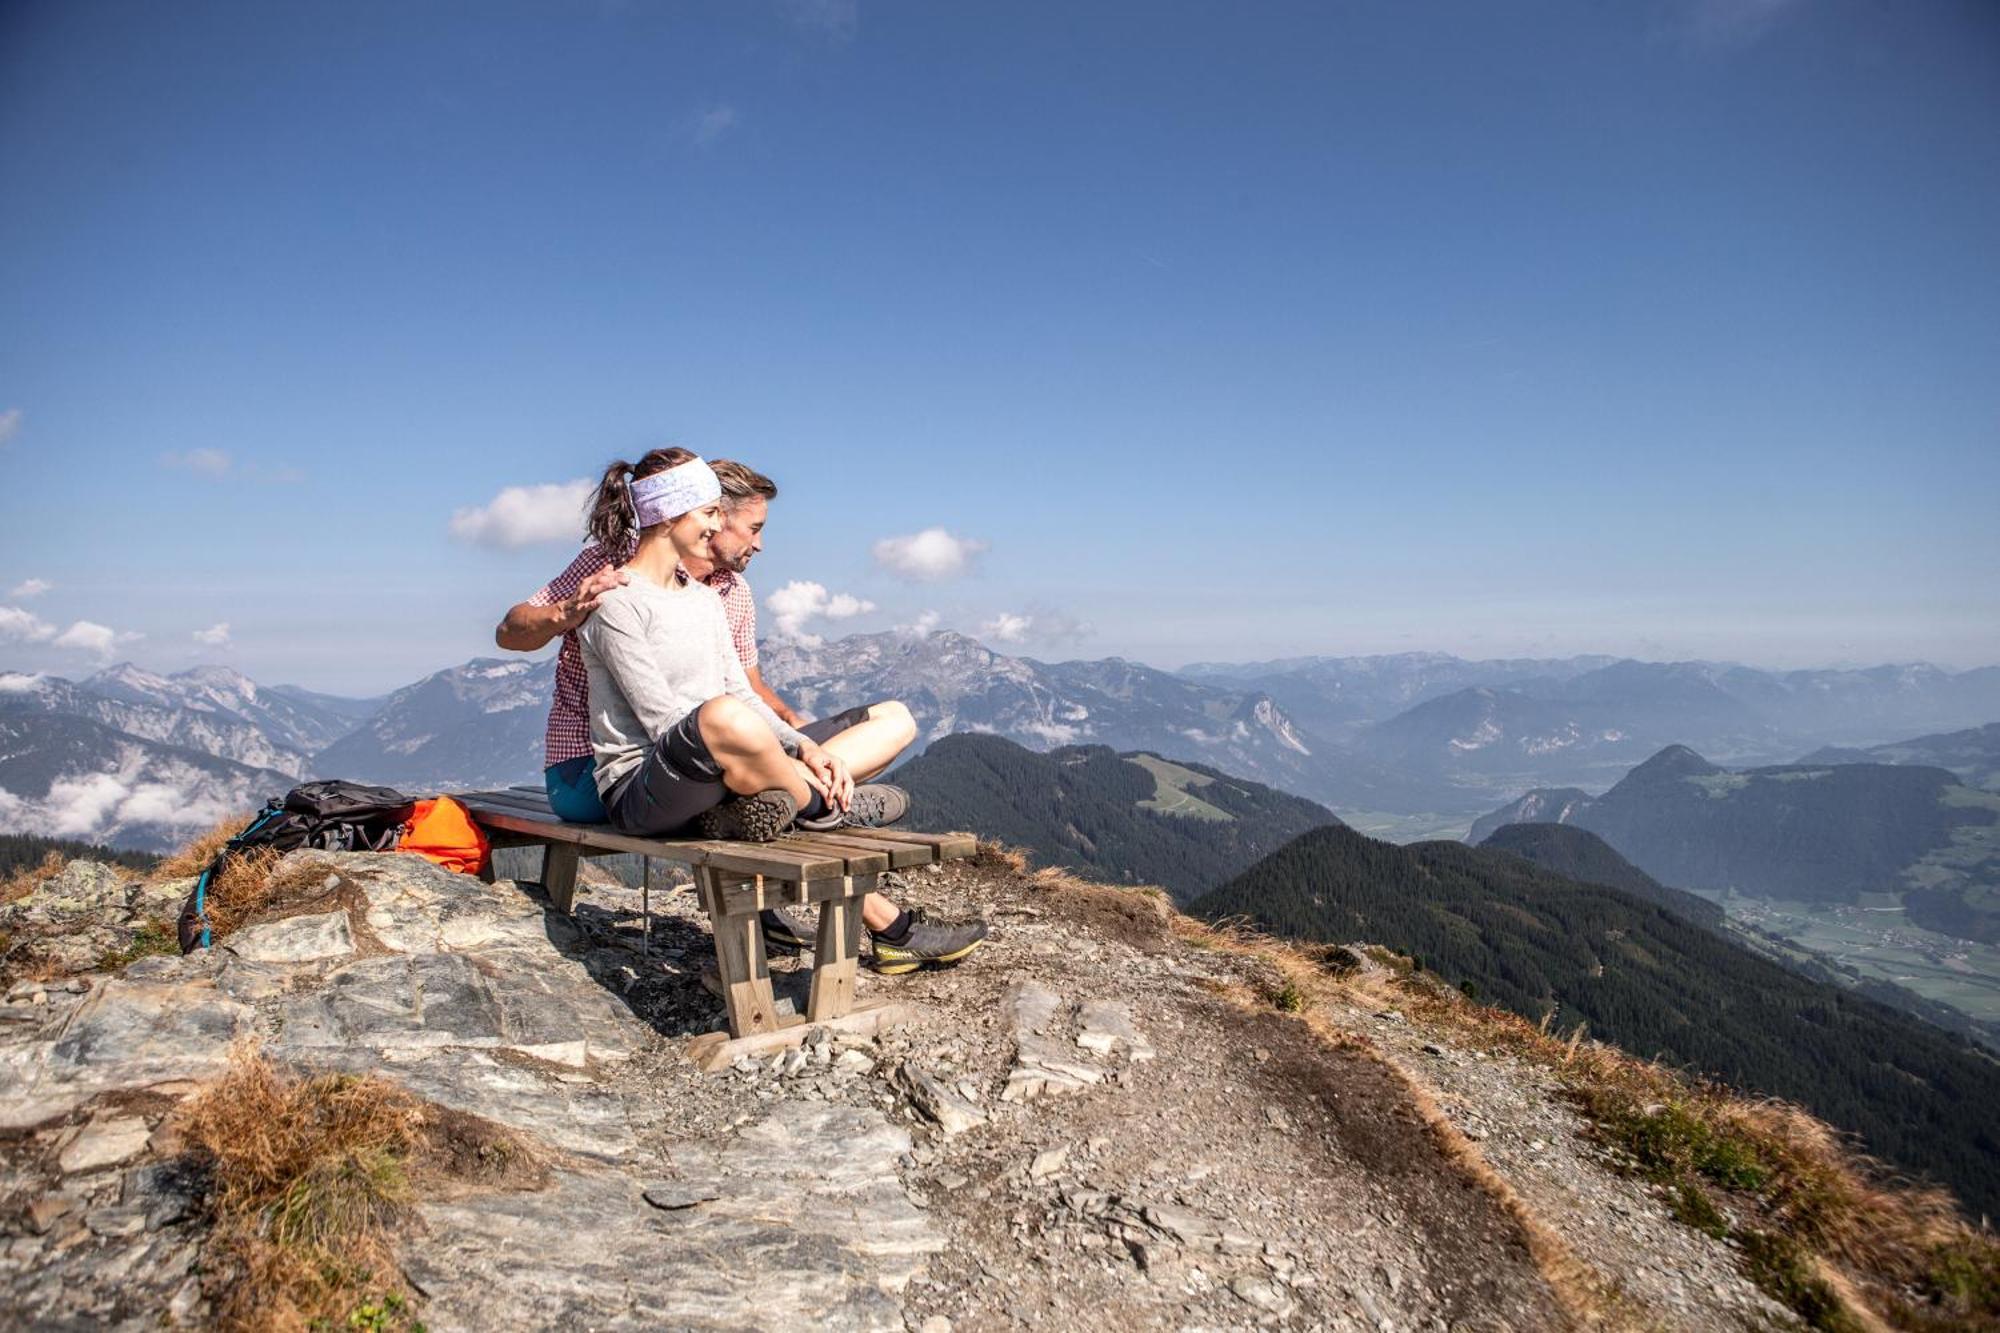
(442,830)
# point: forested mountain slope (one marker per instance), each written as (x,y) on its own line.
(1133,818)
(1645,978)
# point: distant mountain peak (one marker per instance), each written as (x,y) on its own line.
(1676,761)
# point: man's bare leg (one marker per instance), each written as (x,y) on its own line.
(870,747)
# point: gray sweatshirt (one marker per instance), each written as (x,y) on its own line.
(655,654)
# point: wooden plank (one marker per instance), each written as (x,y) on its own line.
(754,895)
(902,855)
(835,959)
(716,1051)
(739,957)
(559,876)
(521,799)
(857,860)
(950,846)
(745,858)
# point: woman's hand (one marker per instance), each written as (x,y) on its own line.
(828,774)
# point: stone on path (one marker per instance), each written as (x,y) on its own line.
(1106,1025)
(298,939)
(1043,1065)
(788,1239)
(104,1142)
(952,1113)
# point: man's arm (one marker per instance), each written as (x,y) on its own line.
(560,607)
(769,696)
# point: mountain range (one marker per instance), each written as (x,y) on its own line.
(1973,754)
(1813,833)
(1514,933)
(1125,818)
(1417,740)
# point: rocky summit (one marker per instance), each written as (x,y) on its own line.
(1102,1117)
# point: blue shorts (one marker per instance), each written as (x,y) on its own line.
(572,788)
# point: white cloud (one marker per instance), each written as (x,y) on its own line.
(1052,733)
(30,588)
(836,20)
(87,636)
(206,462)
(10,424)
(712,124)
(801,600)
(215,636)
(18,682)
(1007,627)
(18,626)
(526,516)
(928,556)
(93,804)
(922,627)
(1733,24)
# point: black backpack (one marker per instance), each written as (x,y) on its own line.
(334,816)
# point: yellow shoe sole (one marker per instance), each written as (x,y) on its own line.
(897,967)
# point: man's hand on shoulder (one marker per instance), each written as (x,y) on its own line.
(575,610)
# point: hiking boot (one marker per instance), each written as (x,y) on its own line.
(927,944)
(875,805)
(758,818)
(783,932)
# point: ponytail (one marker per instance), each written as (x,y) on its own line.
(613,520)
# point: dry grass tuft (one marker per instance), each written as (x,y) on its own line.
(306,1177)
(995,856)
(25,881)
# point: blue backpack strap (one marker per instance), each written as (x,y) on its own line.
(235,844)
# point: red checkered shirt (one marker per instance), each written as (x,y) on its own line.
(568,736)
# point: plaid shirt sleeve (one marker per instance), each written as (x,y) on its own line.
(564,585)
(743,628)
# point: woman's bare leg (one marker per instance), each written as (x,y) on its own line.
(870,747)
(743,744)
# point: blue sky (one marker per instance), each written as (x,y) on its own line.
(1211,331)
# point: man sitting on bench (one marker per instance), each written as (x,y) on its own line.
(861,741)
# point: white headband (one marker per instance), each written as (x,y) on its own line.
(680,489)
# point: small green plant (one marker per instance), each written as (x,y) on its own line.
(388,1315)
(1779,1266)
(152,938)
(1288,997)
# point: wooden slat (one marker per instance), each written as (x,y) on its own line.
(902,855)
(859,860)
(950,846)
(746,858)
(754,895)
(513,804)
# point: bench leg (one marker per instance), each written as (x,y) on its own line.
(739,958)
(559,875)
(835,959)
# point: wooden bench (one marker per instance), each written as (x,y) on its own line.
(735,881)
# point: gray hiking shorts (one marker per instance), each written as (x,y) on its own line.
(678,780)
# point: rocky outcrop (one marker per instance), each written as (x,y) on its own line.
(1081,1128)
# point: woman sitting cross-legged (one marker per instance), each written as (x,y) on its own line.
(678,735)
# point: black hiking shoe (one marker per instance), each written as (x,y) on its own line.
(875,805)
(783,932)
(758,818)
(927,945)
